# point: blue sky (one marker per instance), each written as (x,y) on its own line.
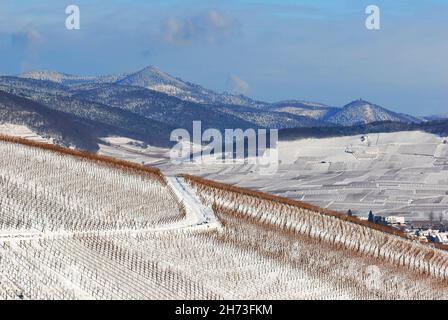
(269,49)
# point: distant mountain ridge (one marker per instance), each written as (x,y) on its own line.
(148,104)
(150,78)
(69,79)
(290,113)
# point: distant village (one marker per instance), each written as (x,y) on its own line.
(428,231)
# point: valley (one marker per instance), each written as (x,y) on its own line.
(403,173)
(360,157)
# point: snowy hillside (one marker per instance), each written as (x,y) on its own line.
(77,226)
(109,109)
(62,128)
(69,79)
(398,173)
(360,111)
(21,131)
(313,110)
(151,78)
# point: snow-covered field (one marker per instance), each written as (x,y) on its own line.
(403,173)
(74,228)
(21,131)
(133,150)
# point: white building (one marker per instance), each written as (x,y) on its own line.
(395,220)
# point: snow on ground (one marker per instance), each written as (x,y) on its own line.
(402,173)
(137,151)
(86,198)
(21,131)
(132,150)
(87,230)
(197,215)
(76,229)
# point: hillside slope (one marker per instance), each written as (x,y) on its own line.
(317,111)
(160,107)
(74,226)
(101,119)
(63,128)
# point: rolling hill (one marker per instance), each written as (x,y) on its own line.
(313,110)
(363,112)
(150,78)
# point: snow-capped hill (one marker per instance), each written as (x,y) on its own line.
(68,79)
(308,104)
(363,112)
(153,78)
(241,100)
(45,75)
(314,110)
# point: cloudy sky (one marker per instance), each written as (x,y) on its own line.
(269,49)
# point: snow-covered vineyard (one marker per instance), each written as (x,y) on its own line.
(393,174)
(43,191)
(75,228)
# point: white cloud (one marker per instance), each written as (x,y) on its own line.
(26,38)
(238,85)
(210,27)
(26,43)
